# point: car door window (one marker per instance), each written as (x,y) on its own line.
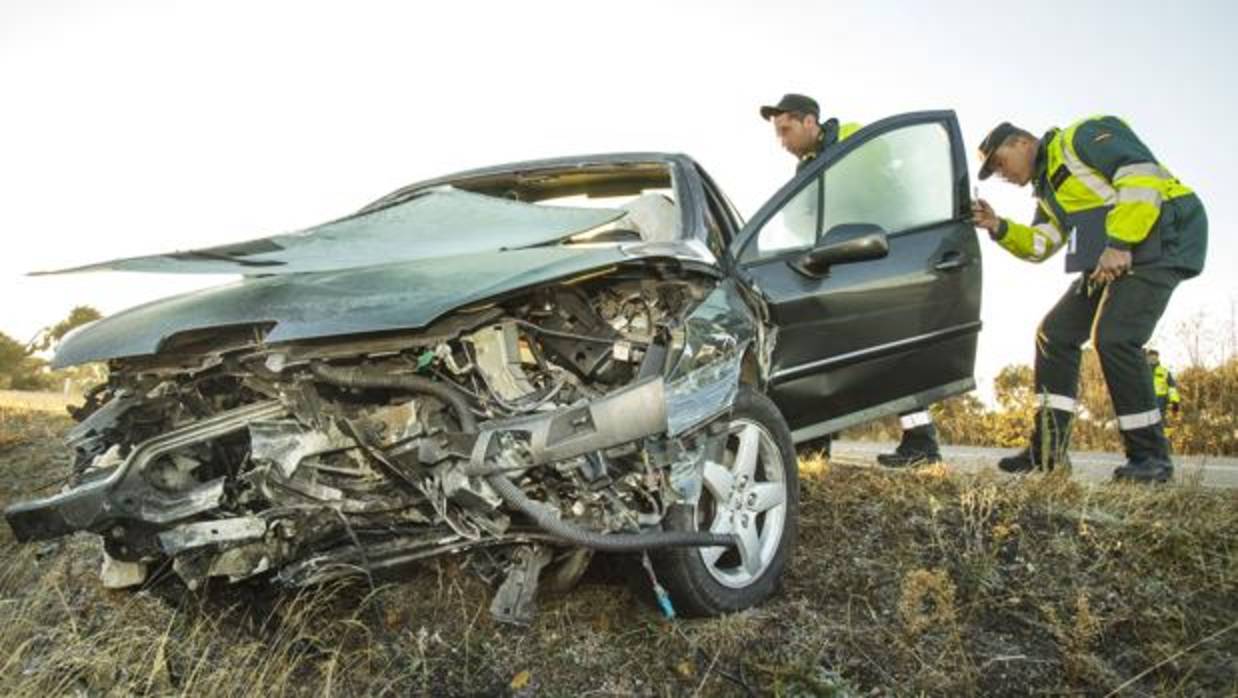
(899,180)
(794,227)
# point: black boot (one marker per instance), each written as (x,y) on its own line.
(1150,469)
(1147,456)
(1049,442)
(1030,459)
(917,447)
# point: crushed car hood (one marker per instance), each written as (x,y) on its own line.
(405,295)
(398,267)
(442,222)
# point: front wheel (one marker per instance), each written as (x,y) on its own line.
(753,494)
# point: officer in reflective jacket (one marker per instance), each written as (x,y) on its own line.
(1163,385)
(1133,232)
(798,127)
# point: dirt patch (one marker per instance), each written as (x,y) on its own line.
(913,583)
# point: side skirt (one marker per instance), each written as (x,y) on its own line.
(909,403)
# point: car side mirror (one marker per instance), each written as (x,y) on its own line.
(844,243)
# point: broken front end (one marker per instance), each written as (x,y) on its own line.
(578,417)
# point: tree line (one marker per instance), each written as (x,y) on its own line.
(22,367)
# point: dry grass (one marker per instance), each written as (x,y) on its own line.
(38,401)
(1206,425)
(20,425)
(904,583)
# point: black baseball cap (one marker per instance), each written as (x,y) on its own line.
(792,102)
(991,143)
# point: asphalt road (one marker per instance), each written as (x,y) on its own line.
(1089,466)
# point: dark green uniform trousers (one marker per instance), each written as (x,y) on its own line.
(1119,318)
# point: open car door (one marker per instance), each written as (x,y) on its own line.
(871,271)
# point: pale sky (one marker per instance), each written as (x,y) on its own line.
(144,126)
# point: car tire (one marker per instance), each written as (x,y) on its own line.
(763,509)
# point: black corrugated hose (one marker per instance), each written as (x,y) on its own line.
(543,516)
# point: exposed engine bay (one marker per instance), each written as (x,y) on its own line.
(525,433)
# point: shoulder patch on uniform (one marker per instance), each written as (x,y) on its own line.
(1102,136)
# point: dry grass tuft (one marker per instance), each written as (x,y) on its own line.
(926,601)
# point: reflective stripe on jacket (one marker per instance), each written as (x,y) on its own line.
(1097,185)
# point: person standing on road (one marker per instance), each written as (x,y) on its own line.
(798,127)
(1166,389)
(1133,232)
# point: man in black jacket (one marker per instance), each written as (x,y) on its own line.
(797,125)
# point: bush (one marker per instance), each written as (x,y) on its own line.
(21,369)
(1207,424)
(18,369)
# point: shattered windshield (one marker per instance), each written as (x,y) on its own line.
(466,215)
(643,192)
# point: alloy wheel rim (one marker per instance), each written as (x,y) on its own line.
(748,493)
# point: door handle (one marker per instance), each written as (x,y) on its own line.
(952,261)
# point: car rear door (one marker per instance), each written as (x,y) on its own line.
(881,336)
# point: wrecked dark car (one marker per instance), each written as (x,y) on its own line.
(526,364)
